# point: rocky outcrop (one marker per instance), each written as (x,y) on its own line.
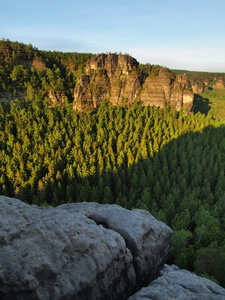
(198,87)
(174,283)
(219,83)
(39,64)
(111,76)
(118,79)
(206,81)
(147,238)
(56,97)
(77,251)
(157,89)
(166,89)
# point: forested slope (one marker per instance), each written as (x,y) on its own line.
(26,71)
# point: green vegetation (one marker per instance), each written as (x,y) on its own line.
(169,164)
(211,103)
(197,75)
(52,71)
(138,157)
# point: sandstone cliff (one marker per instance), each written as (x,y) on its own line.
(111,76)
(219,83)
(120,80)
(198,87)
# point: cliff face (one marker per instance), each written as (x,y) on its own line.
(157,89)
(219,83)
(198,87)
(118,79)
(112,77)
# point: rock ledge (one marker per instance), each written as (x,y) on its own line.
(77,251)
(180,285)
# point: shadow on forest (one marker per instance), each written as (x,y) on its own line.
(189,156)
(201,104)
(182,167)
(182,185)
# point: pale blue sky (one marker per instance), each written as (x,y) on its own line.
(173,33)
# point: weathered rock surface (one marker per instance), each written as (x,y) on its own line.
(111,76)
(56,97)
(180,285)
(219,84)
(198,87)
(39,64)
(182,94)
(157,89)
(147,238)
(56,253)
(53,254)
(117,78)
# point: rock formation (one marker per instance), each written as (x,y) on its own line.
(39,64)
(219,84)
(198,87)
(56,97)
(90,251)
(77,251)
(174,283)
(147,238)
(111,76)
(157,89)
(118,79)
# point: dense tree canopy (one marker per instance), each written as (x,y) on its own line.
(159,160)
(25,69)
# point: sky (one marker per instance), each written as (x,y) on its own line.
(188,35)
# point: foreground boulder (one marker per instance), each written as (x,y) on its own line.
(180,284)
(147,238)
(51,254)
(77,253)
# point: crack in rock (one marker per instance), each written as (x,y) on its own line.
(147,238)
